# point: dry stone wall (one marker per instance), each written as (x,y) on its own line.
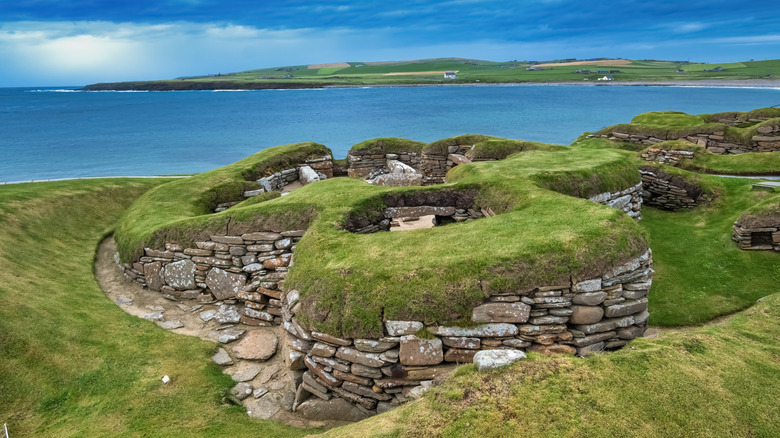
(756,239)
(436,166)
(311,170)
(580,317)
(363,163)
(667,192)
(246,270)
(767,139)
(671,157)
(628,200)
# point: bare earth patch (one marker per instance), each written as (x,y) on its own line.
(330,65)
(606,63)
(409,73)
(183,317)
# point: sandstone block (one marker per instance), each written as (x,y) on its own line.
(501,312)
(224,284)
(154,278)
(487,360)
(458,355)
(322,349)
(592,339)
(229,240)
(462,342)
(331,339)
(365,371)
(401,328)
(496,330)
(371,346)
(180,275)
(319,371)
(587,286)
(261,237)
(256,345)
(346,376)
(591,349)
(625,308)
(631,332)
(552,349)
(356,356)
(416,351)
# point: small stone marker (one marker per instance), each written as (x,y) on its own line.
(487,360)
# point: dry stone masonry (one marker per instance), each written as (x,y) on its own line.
(671,157)
(765,238)
(767,139)
(628,200)
(667,192)
(581,317)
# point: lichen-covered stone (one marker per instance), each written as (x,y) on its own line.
(256,345)
(416,351)
(501,312)
(487,360)
(224,284)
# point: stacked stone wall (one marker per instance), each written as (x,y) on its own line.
(580,317)
(363,163)
(757,239)
(667,192)
(245,271)
(767,139)
(322,167)
(628,200)
(671,157)
(436,166)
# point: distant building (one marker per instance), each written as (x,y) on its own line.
(679,70)
(715,69)
(533,68)
(583,72)
(449,75)
(606,78)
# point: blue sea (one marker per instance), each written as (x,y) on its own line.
(63,133)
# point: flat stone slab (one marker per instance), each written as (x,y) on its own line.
(222,358)
(487,360)
(768,185)
(256,345)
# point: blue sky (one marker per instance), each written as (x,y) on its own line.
(75,42)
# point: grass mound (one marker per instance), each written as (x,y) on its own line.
(75,364)
(348,281)
(389,145)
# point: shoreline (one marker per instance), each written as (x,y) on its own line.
(226,86)
(6,183)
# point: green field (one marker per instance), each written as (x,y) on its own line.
(469,71)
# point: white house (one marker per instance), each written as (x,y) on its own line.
(449,75)
(606,78)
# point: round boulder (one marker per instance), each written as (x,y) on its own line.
(586,314)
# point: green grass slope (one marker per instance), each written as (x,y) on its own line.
(72,363)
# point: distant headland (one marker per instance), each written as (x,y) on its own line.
(460,71)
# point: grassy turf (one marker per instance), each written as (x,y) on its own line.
(72,363)
(713,381)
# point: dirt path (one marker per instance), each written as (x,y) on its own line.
(184,318)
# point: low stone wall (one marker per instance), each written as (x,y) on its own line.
(309,171)
(628,200)
(364,163)
(246,270)
(435,166)
(582,317)
(756,239)
(664,191)
(671,157)
(766,140)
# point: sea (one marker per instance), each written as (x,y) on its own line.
(53,133)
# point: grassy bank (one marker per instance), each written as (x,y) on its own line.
(72,363)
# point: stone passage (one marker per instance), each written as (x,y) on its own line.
(667,192)
(671,157)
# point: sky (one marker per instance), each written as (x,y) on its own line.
(77,42)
